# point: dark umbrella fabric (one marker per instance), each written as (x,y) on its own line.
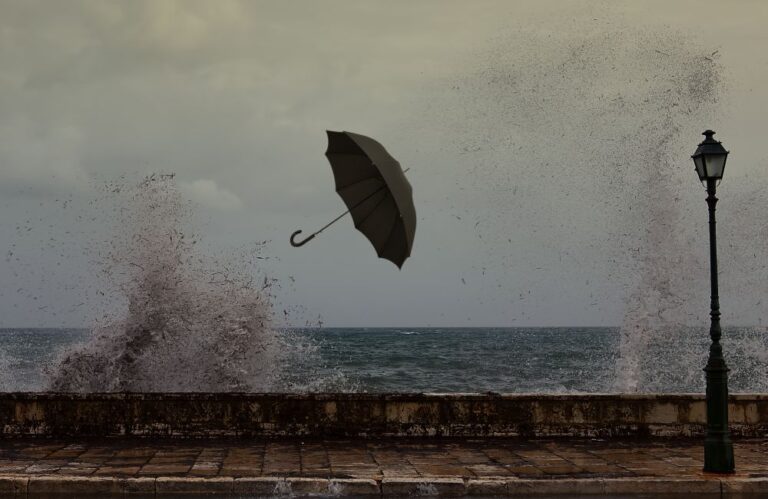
(379,197)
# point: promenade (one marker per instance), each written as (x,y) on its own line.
(358,467)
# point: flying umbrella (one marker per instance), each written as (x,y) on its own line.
(374,187)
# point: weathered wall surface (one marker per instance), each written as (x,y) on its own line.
(371,415)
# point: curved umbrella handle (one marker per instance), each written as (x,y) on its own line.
(300,243)
(305,241)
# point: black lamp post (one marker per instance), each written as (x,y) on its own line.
(709,159)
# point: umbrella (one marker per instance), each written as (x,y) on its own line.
(374,187)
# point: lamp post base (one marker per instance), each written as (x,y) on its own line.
(718,454)
(718,447)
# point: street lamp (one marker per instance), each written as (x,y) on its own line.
(709,159)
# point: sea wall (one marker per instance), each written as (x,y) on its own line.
(371,415)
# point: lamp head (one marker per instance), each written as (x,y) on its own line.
(709,158)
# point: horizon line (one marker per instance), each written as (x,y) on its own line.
(507,326)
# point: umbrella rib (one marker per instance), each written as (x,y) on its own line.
(392,230)
(366,198)
(364,179)
(367,215)
(360,182)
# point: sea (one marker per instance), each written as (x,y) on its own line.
(505,360)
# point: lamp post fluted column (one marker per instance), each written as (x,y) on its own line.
(718,448)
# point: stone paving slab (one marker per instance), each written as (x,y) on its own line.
(394,467)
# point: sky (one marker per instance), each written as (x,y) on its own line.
(514,118)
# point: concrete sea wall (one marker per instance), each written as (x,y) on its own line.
(371,415)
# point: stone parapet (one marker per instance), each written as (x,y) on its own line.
(325,415)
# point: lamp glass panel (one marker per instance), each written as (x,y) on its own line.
(699,162)
(715,165)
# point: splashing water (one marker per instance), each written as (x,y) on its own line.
(578,145)
(188,322)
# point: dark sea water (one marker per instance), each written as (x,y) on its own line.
(552,360)
(470,359)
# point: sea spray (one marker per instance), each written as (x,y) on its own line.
(184,320)
(7,382)
(577,137)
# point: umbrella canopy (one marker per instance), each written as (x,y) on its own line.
(374,187)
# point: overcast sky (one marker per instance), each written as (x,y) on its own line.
(490,103)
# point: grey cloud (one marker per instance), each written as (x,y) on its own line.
(234,97)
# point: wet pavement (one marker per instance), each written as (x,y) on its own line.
(452,464)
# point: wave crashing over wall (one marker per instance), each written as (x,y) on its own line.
(186,321)
(577,139)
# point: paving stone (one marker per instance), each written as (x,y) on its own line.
(302,486)
(486,487)
(73,485)
(481,470)
(354,487)
(395,472)
(177,454)
(135,453)
(76,470)
(117,470)
(249,472)
(603,468)
(662,486)
(551,486)
(561,469)
(137,486)
(206,465)
(526,470)
(172,460)
(194,485)
(745,485)
(164,469)
(126,461)
(442,470)
(205,472)
(13,468)
(259,486)
(65,453)
(446,487)
(13,485)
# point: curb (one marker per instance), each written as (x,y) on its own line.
(40,485)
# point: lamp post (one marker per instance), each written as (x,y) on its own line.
(709,159)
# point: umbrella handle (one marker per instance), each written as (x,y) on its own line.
(305,241)
(300,243)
